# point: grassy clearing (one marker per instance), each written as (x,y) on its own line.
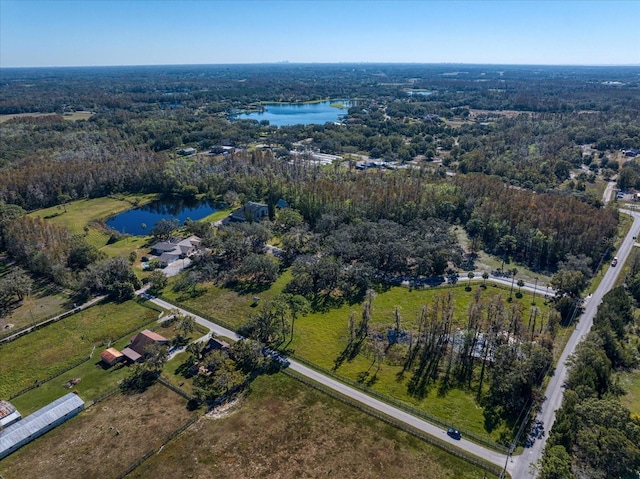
(630,382)
(89,446)
(286,430)
(77,215)
(77,115)
(321,337)
(11,116)
(218,215)
(94,378)
(230,306)
(48,350)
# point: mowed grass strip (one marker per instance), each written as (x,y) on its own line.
(51,349)
(102,441)
(287,430)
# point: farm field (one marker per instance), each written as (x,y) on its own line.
(92,379)
(102,441)
(52,348)
(287,430)
(320,338)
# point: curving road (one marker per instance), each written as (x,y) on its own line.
(519,467)
(487,454)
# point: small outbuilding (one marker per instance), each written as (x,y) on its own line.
(8,414)
(111,356)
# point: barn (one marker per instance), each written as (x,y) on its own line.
(43,420)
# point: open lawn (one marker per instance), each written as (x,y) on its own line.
(46,351)
(321,337)
(287,430)
(76,215)
(230,306)
(93,378)
(102,441)
(218,215)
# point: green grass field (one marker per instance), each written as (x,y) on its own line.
(52,348)
(321,337)
(95,379)
(83,213)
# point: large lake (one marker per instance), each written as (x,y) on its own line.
(140,221)
(287,114)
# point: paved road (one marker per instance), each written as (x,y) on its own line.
(521,468)
(489,455)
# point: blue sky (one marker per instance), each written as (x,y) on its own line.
(150,32)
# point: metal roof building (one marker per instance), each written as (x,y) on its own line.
(20,433)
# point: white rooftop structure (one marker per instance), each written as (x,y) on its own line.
(21,432)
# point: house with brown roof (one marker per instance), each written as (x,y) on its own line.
(139,343)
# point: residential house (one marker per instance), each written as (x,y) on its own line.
(173,250)
(187,151)
(137,349)
(250,212)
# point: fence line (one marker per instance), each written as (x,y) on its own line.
(74,365)
(49,378)
(153,451)
(460,453)
(403,406)
(384,398)
(175,389)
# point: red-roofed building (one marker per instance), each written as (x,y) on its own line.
(111,356)
(140,342)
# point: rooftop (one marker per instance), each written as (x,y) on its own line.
(39,420)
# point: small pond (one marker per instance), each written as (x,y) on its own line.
(287,114)
(140,221)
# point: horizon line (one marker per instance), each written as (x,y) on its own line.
(284,63)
